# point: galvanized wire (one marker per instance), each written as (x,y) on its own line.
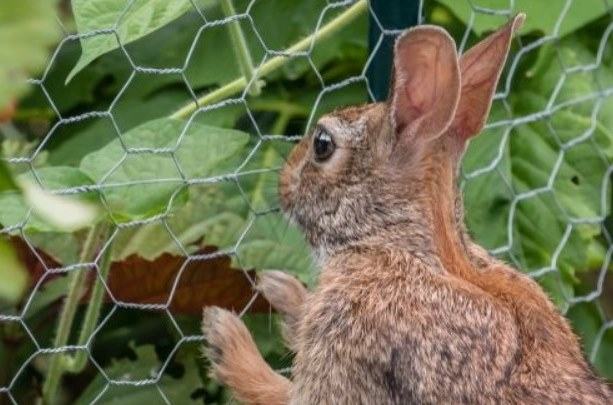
(553,106)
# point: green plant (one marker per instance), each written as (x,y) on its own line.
(195,109)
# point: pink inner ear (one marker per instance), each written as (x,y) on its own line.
(420,94)
(426,87)
(480,68)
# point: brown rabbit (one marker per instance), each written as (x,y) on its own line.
(408,309)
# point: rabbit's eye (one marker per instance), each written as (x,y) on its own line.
(323,145)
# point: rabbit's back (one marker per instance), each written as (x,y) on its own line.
(392,330)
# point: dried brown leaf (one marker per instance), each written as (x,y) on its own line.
(199,283)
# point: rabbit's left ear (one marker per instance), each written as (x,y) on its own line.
(426,85)
(480,69)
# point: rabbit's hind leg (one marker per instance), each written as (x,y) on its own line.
(237,363)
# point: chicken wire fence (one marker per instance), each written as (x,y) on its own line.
(536,182)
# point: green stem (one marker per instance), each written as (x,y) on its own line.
(241,50)
(281,123)
(71,304)
(277,62)
(76,364)
(278,105)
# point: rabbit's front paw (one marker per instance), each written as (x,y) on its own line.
(236,361)
(227,341)
(285,293)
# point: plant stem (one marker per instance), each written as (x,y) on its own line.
(241,50)
(281,123)
(277,62)
(278,105)
(76,363)
(71,303)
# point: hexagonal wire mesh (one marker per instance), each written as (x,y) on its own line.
(536,183)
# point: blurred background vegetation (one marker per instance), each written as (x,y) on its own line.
(139,160)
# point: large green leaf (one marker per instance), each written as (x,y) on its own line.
(27,30)
(214,43)
(220,214)
(270,242)
(566,157)
(13,276)
(131,20)
(215,212)
(541,15)
(134,108)
(580,132)
(151,96)
(139,185)
(487,196)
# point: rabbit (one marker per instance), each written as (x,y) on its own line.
(408,309)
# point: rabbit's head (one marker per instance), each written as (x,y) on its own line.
(368,171)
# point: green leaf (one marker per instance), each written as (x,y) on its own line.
(6,179)
(176,390)
(169,45)
(15,209)
(14,277)
(220,214)
(140,185)
(533,157)
(273,243)
(134,108)
(588,319)
(215,212)
(541,15)
(487,197)
(539,224)
(27,30)
(130,20)
(60,246)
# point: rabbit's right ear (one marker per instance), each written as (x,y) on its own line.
(426,86)
(480,68)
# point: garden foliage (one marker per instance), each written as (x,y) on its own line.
(176,199)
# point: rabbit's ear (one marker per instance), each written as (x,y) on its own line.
(426,85)
(480,69)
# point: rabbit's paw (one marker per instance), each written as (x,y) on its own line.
(287,295)
(284,292)
(227,341)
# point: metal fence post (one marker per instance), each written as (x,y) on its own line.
(392,15)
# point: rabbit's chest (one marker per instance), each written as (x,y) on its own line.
(342,355)
(361,308)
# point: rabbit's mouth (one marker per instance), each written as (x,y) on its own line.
(287,192)
(290,178)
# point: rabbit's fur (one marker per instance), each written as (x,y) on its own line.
(408,309)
